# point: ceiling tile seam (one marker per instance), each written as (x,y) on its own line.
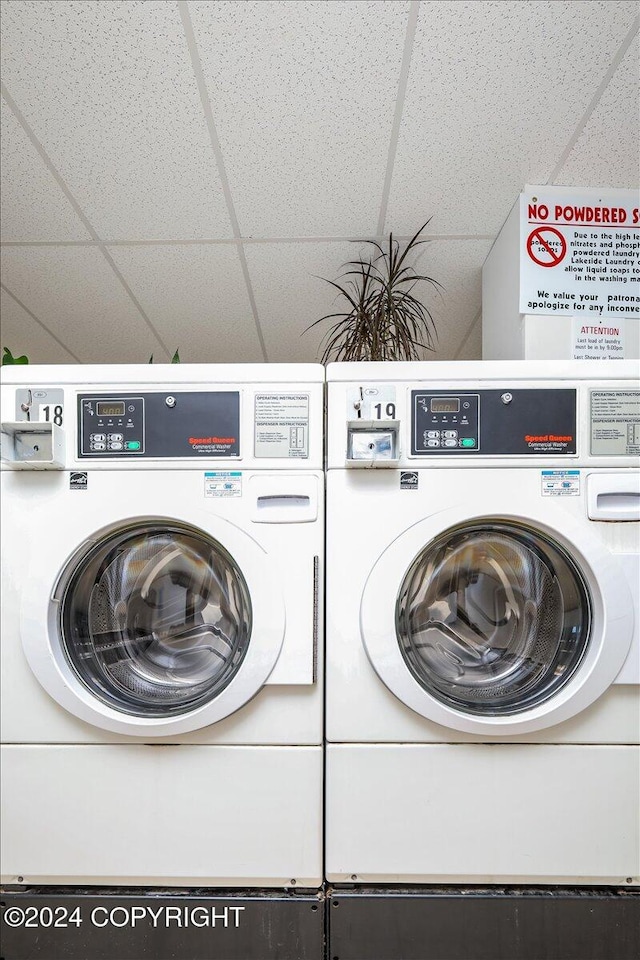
(196,64)
(40,323)
(403,79)
(48,164)
(42,153)
(232,241)
(604,83)
(472,327)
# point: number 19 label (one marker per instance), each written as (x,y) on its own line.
(371,402)
(389,411)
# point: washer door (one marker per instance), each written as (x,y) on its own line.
(155,620)
(157,627)
(498,623)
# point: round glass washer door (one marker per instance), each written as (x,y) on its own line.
(155,620)
(493,618)
(502,623)
(154,626)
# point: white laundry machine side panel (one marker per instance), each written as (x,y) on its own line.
(45,521)
(366,511)
(162,816)
(475,813)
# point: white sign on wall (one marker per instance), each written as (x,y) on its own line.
(580,253)
(593,340)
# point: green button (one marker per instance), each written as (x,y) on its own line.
(132,445)
(467,442)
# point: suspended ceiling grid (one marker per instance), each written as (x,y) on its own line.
(181,174)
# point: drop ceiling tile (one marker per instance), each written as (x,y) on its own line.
(196,297)
(290,296)
(457,265)
(23,335)
(303,97)
(494,93)
(32,205)
(76,294)
(109,90)
(607,153)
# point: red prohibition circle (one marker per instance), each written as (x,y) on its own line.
(536,236)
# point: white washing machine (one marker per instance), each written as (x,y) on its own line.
(162,703)
(483,659)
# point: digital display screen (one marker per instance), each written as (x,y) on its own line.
(445,405)
(110,408)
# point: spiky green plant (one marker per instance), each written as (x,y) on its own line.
(174,359)
(385,320)
(8,358)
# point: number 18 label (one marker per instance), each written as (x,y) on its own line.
(51,413)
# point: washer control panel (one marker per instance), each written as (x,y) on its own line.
(445,421)
(159,425)
(510,421)
(111,425)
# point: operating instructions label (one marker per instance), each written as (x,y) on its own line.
(615,423)
(282,425)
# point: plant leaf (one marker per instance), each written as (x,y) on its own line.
(384,319)
(8,359)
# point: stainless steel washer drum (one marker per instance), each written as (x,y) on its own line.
(155,619)
(493,618)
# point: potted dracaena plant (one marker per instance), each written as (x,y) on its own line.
(383,319)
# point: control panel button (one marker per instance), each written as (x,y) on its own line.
(467,442)
(433,434)
(433,443)
(98,437)
(115,437)
(450,443)
(450,434)
(98,446)
(115,445)
(132,445)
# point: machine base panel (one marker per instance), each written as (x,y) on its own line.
(73,924)
(489,923)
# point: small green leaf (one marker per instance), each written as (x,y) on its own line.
(8,358)
(176,357)
(151,359)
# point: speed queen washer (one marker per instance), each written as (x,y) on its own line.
(482,623)
(162,561)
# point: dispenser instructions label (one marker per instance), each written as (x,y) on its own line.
(615,423)
(560,483)
(282,425)
(223,483)
(580,254)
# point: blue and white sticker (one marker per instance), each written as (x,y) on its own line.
(560,483)
(223,483)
